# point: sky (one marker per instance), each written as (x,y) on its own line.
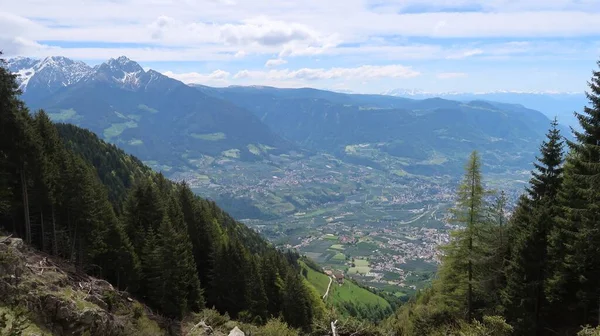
(367,46)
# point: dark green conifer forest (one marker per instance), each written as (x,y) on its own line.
(70,194)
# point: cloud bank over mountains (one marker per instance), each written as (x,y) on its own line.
(365,45)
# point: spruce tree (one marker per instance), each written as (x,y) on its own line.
(256,295)
(526,272)
(494,252)
(297,307)
(18,147)
(201,230)
(273,282)
(143,210)
(49,168)
(574,283)
(173,288)
(184,250)
(229,282)
(150,261)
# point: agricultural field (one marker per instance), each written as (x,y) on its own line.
(340,295)
(333,211)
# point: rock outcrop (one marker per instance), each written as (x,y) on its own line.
(236,332)
(63,301)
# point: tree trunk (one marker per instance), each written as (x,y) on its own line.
(470,256)
(598,311)
(43,232)
(74,239)
(54,240)
(25,207)
(540,283)
(14,221)
(470,293)
(79,254)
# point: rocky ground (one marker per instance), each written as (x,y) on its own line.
(45,296)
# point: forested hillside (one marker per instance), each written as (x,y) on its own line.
(538,270)
(71,195)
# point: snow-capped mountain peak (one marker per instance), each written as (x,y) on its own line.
(23,67)
(48,74)
(125,64)
(121,71)
(40,78)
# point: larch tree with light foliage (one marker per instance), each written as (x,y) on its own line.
(459,273)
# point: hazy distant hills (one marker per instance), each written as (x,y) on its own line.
(168,123)
(559,104)
(417,131)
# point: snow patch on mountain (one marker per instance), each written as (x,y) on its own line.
(50,73)
(23,77)
(120,71)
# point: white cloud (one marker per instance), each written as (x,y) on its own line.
(296,49)
(490,24)
(266,32)
(244,34)
(275,62)
(451,75)
(310,74)
(493,5)
(216,77)
(465,53)
(301,20)
(14,35)
(291,28)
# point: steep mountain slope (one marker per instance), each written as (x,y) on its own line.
(155,117)
(119,172)
(417,131)
(347,297)
(164,235)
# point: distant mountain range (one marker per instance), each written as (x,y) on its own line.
(168,123)
(41,78)
(552,104)
(416,131)
(146,113)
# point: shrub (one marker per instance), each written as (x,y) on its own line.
(276,327)
(589,331)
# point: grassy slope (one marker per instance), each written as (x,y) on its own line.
(348,292)
(318,280)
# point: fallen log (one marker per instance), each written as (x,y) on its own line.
(208,329)
(6,240)
(334,329)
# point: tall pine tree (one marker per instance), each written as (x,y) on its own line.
(526,272)
(573,286)
(18,149)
